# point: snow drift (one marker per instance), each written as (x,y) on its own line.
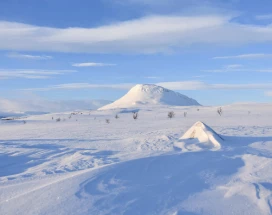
(199,137)
(149,94)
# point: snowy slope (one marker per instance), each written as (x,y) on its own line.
(83,165)
(149,94)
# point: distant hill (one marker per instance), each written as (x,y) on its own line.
(149,94)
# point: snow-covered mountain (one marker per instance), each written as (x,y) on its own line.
(149,94)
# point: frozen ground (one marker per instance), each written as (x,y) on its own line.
(84,165)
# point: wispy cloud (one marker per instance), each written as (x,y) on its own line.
(183,85)
(236,68)
(29,57)
(74,86)
(199,85)
(227,68)
(92,64)
(179,85)
(152,77)
(199,76)
(148,2)
(246,56)
(135,36)
(264,17)
(268,93)
(199,5)
(31,73)
(11,106)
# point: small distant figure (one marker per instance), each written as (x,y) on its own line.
(52,118)
(185,114)
(220,111)
(116,116)
(249,112)
(135,115)
(107,121)
(171,114)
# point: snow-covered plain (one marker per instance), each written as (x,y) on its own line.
(84,165)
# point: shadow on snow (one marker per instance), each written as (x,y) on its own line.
(152,185)
(13,163)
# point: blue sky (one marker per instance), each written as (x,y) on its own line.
(218,52)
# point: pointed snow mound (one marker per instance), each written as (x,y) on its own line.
(149,94)
(200,137)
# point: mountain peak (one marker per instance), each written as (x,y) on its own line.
(149,88)
(150,94)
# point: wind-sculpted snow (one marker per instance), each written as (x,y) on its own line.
(199,137)
(83,165)
(155,185)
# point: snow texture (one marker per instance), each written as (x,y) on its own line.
(83,165)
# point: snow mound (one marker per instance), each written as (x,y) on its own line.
(199,137)
(149,94)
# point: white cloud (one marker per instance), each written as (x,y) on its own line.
(29,57)
(236,68)
(152,34)
(92,64)
(246,56)
(198,85)
(74,86)
(199,76)
(268,93)
(179,85)
(15,106)
(183,85)
(31,73)
(228,68)
(264,17)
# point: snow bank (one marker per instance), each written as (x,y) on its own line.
(199,137)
